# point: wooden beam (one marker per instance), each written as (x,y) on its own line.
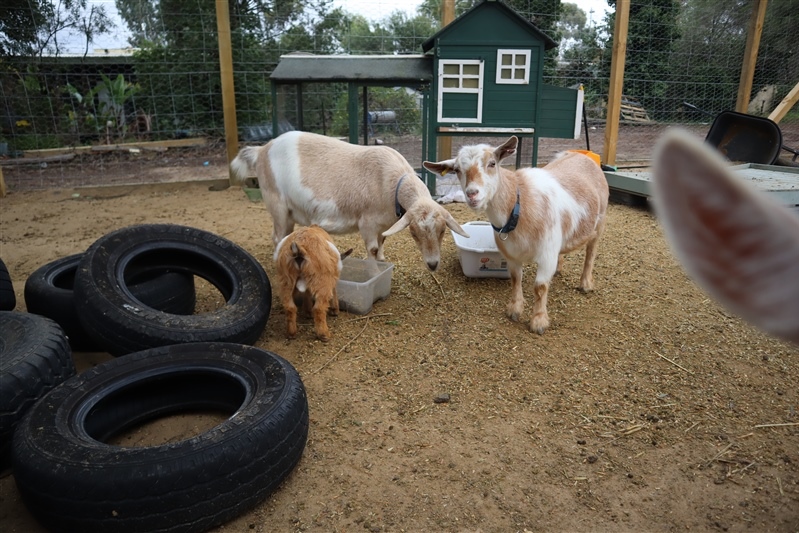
(616,81)
(750,55)
(226,74)
(447,16)
(787,103)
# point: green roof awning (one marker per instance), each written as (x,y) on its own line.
(368,69)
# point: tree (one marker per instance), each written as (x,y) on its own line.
(778,55)
(432,8)
(652,34)
(32,28)
(20,21)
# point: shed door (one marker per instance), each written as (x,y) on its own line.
(460,90)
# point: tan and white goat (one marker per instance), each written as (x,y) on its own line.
(307,267)
(737,244)
(538,214)
(307,179)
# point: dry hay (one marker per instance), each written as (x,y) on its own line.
(644,407)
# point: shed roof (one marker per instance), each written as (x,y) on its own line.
(387,69)
(496,4)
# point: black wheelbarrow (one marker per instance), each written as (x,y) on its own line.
(746,138)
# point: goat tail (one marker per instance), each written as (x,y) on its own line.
(243,165)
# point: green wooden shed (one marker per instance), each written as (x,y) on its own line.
(487,80)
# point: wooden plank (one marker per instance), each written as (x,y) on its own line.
(750,55)
(2,184)
(616,81)
(226,74)
(191,142)
(786,104)
(35,160)
(447,16)
(454,130)
(118,148)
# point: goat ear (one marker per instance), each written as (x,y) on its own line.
(400,225)
(454,226)
(507,148)
(441,168)
(737,244)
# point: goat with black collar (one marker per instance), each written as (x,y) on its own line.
(538,214)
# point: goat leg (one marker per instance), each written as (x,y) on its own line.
(516,304)
(540,319)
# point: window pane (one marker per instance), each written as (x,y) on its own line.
(470,83)
(504,74)
(452,69)
(518,74)
(471,70)
(521,60)
(451,83)
(506,59)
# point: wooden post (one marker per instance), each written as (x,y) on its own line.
(447,16)
(226,74)
(750,55)
(787,103)
(616,81)
(2,184)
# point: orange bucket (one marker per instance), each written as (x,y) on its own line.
(590,154)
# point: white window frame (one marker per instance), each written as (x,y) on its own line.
(460,89)
(513,68)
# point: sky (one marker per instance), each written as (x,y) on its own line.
(379,9)
(371,9)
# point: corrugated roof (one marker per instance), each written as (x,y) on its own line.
(398,69)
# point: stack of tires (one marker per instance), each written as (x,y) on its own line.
(132,294)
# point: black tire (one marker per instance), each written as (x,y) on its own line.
(121,324)
(8,300)
(49,292)
(71,481)
(34,358)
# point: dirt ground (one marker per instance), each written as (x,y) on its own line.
(645,407)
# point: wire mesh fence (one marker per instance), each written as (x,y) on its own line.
(81,81)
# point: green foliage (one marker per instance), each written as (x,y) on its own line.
(102,110)
(20,21)
(649,61)
(32,27)
(33,107)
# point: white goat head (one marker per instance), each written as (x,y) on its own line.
(477,167)
(427,222)
(737,244)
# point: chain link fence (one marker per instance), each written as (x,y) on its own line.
(80,83)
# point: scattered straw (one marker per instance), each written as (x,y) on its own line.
(342,348)
(438,283)
(722,452)
(675,364)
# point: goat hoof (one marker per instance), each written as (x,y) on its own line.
(539,324)
(513,313)
(323,338)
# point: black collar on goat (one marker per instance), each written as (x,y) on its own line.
(398,209)
(510,225)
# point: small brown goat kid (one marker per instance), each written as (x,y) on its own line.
(308,266)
